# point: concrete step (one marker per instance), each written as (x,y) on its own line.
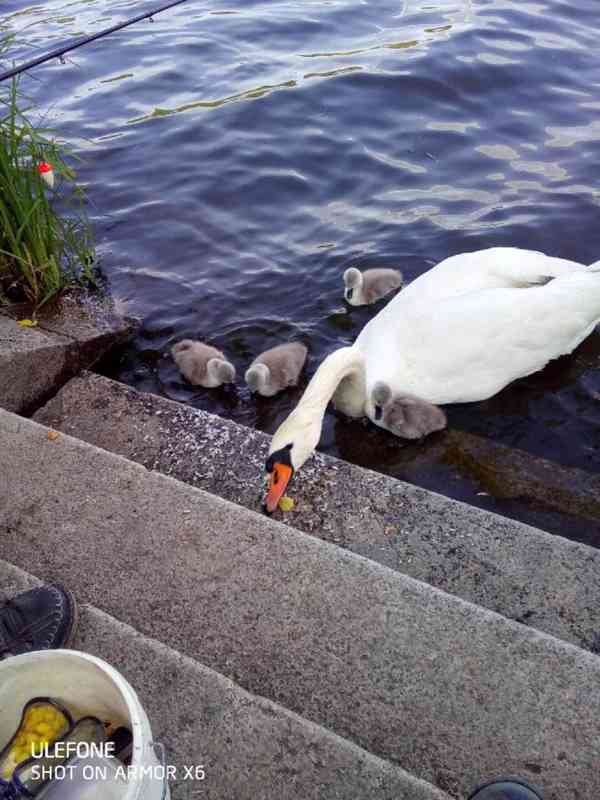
(70,336)
(524,574)
(449,691)
(250,747)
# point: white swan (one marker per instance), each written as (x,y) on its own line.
(459,333)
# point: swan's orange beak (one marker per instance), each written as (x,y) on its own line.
(278,480)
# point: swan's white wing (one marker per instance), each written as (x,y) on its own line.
(469,347)
(494,268)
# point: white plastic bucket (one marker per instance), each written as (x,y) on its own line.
(85,685)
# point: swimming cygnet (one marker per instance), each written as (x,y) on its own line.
(405,415)
(364,288)
(202,364)
(276,369)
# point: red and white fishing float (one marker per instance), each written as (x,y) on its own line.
(47,173)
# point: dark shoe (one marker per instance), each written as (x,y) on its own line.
(40,619)
(507,789)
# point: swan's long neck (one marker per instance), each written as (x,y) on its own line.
(337,366)
(303,426)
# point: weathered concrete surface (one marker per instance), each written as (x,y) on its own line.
(36,362)
(447,690)
(31,363)
(250,747)
(544,581)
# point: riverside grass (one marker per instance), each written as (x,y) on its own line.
(45,239)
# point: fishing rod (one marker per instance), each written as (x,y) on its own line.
(60,51)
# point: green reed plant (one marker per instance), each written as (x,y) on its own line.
(45,238)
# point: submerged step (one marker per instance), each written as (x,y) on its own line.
(449,691)
(544,581)
(248,746)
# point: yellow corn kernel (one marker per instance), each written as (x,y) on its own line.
(33,716)
(44,729)
(56,717)
(286,503)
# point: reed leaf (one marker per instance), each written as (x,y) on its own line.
(46,242)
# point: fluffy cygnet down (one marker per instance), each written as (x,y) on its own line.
(202,364)
(364,288)
(405,415)
(276,369)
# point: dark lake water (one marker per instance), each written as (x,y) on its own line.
(238,156)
